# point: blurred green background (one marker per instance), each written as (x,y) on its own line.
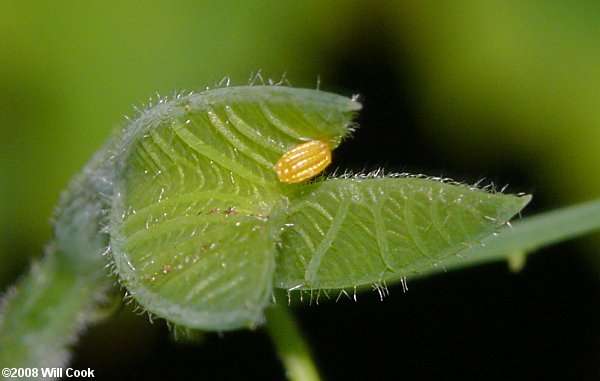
(506,90)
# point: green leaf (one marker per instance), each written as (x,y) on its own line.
(355,231)
(197,207)
(202,230)
(528,235)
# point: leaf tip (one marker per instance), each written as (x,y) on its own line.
(525,199)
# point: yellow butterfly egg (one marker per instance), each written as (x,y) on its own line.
(303,161)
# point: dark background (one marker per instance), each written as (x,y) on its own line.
(509,91)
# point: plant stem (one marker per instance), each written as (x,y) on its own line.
(528,235)
(290,345)
(42,315)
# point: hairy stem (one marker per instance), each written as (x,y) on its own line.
(42,315)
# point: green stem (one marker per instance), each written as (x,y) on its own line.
(291,347)
(42,315)
(528,235)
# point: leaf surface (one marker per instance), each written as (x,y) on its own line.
(350,232)
(198,209)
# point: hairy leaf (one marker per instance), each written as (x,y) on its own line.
(355,231)
(199,208)
(202,229)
